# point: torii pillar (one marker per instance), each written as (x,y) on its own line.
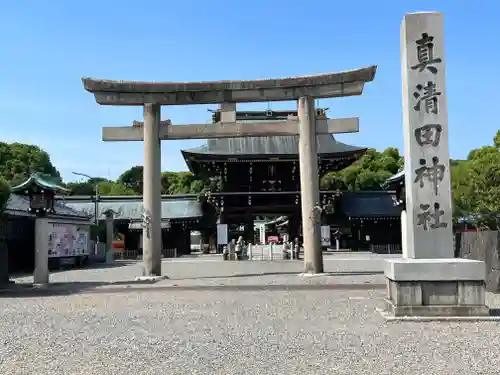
(151,231)
(309,186)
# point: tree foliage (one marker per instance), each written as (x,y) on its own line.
(86,187)
(18,161)
(368,173)
(481,181)
(114,188)
(171,182)
(132,179)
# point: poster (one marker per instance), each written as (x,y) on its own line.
(325,235)
(67,240)
(222,234)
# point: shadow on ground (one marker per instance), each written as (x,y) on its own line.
(237,275)
(91,266)
(115,264)
(70,288)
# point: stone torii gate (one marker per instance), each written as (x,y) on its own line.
(304,89)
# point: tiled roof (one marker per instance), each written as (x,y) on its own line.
(41,180)
(20,204)
(133,209)
(397,178)
(274,145)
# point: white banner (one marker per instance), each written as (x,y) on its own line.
(325,235)
(222,234)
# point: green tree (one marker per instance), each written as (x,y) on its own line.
(171,182)
(496,139)
(18,161)
(133,178)
(85,187)
(179,182)
(114,188)
(476,184)
(484,180)
(368,173)
(460,188)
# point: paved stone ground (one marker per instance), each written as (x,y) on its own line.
(220,318)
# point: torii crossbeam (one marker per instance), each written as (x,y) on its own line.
(167,131)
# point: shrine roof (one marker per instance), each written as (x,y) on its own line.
(41,180)
(398,178)
(274,145)
(132,209)
(369,205)
(19,205)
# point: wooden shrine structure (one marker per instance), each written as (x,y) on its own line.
(260,176)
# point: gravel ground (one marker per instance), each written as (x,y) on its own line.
(276,323)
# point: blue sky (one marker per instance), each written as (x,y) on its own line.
(47,46)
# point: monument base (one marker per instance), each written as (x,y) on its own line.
(435,288)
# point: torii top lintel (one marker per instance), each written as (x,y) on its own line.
(331,85)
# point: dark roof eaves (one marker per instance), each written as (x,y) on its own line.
(189,153)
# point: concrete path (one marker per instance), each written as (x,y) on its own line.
(213,266)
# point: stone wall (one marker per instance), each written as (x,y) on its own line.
(483,245)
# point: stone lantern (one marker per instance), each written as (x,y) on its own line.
(40,190)
(110,231)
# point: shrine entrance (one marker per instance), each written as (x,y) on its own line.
(258,177)
(306,123)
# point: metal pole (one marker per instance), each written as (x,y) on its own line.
(96,198)
(96,204)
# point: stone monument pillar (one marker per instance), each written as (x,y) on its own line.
(309,186)
(428,280)
(41,272)
(152,241)
(110,234)
(404,232)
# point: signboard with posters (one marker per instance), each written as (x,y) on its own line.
(67,240)
(222,237)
